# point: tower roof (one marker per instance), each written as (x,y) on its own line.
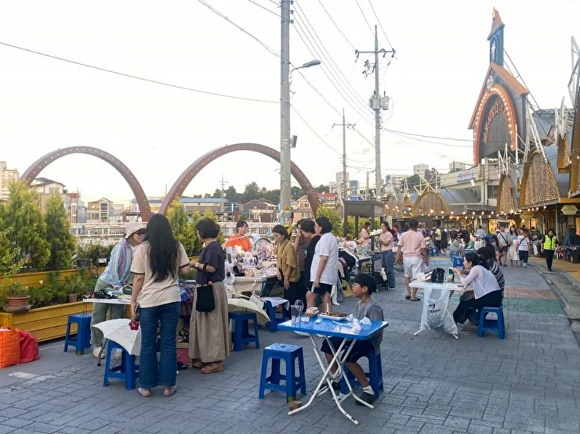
(496,23)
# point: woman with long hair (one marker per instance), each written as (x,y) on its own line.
(157,262)
(513,248)
(486,290)
(287,265)
(209,338)
(387,255)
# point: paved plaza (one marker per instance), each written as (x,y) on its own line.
(530,382)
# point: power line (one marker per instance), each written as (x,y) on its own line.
(265,8)
(365,18)
(314,131)
(427,136)
(162,83)
(335,25)
(380,25)
(221,15)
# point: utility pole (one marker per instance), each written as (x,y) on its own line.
(222,197)
(285,160)
(344,125)
(377,103)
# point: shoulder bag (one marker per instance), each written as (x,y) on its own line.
(205,301)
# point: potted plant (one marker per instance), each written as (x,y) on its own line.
(17,298)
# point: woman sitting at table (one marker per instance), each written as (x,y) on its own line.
(486,290)
(287,264)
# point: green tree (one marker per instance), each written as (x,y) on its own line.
(252,191)
(183,229)
(24,226)
(62,243)
(333,217)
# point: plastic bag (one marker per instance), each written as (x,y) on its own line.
(435,315)
(28,347)
(9,347)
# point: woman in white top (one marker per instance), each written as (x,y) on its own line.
(523,246)
(486,290)
(513,248)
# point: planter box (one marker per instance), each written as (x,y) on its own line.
(48,323)
(45,323)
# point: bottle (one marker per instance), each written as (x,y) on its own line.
(451,275)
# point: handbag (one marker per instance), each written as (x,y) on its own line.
(205,301)
(9,347)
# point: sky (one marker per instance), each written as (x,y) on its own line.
(232,48)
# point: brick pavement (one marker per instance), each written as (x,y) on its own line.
(433,383)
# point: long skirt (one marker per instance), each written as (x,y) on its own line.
(209,332)
(513,252)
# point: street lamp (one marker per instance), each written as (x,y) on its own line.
(285,140)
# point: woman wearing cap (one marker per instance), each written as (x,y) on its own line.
(115,276)
(157,265)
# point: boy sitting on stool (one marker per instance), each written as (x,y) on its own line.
(364,285)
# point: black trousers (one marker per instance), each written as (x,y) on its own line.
(493,299)
(549,258)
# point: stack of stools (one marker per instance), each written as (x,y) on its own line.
(491,325)
(274,319)
(289,353)
(241,334)
(375,374)
(83,337)
(457,261)
(127,370)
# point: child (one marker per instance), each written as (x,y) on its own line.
(364,285)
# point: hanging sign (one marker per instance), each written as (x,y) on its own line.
(569,209)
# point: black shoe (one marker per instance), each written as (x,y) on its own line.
(369,398)
(335,385)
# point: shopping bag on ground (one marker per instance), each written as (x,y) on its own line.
(9,347)
(28,347)
(435,314)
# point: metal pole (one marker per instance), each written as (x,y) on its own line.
(378,179)
(343,157)
(285,159)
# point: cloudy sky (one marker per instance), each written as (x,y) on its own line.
(232,49)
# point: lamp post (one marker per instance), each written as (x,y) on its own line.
(285,138)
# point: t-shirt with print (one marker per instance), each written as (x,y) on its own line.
(374,312)
(326,246)
(156,293)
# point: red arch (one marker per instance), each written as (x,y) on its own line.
(32,172)
(186,177)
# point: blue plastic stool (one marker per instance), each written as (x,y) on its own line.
(274,319)
(241,334)
(375,374)
(491,325)
(289,353)
(127,370)
(83,338)
(457,261)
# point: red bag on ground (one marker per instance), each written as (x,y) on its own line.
(28,347)
(9,347)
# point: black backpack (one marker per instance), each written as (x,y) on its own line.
(438,275)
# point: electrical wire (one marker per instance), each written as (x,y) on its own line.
(265,8)
(365,18)
(329,61)
(380,25)
(336,25)
(427,136)
(136,77)
(315,132)
(221,15)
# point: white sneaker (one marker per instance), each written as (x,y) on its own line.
(97,351)
(525,265)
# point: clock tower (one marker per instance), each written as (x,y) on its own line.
(495,39)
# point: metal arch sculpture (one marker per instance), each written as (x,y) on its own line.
(186,177)
(32,172)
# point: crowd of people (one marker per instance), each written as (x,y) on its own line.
(310,268)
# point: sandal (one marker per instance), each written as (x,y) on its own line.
(415,299)
(212,368)
(197,364)
(408,297)
(146,393)
(169,391)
